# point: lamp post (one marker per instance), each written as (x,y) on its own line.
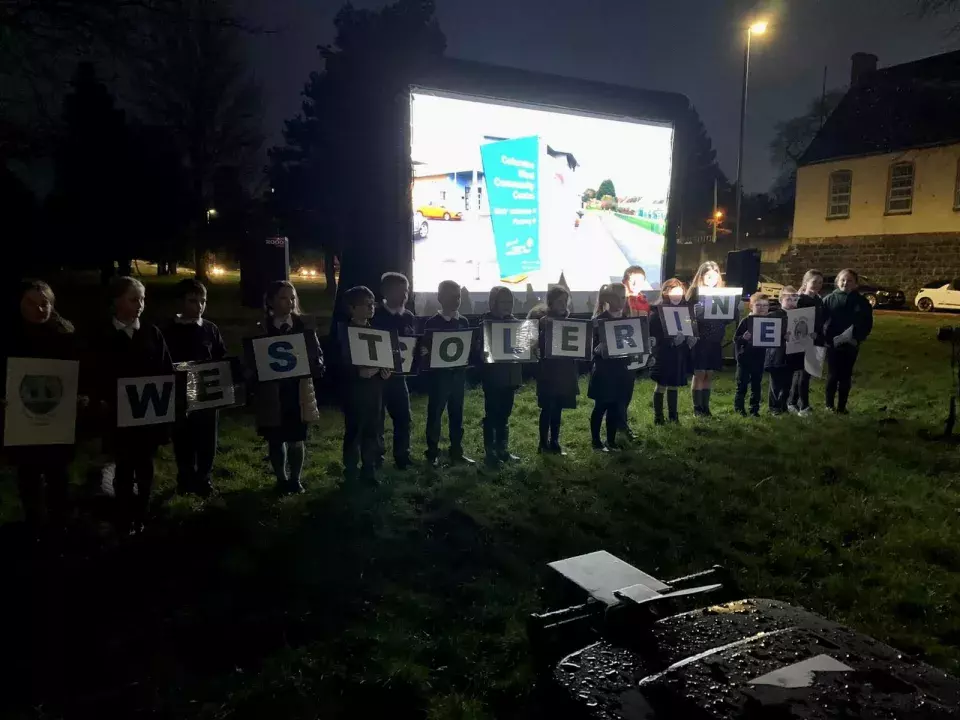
(758,28)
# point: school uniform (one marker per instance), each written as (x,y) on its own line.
(750,362)
(800,385)
(42,470)
(781,367)
(842,311)
(396,396)
(707,354)
(445,391)
(558,385)
(500,382)
(671,369)
(195,435)
(610,387)
(362,417)
(127,351)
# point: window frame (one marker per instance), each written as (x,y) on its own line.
(890,189)
(831,184)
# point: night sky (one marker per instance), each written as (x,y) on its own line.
(694,47)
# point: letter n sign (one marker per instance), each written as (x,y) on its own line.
(146,400)
(623,337)
(280,356)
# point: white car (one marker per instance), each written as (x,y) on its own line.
(939,295)
(770,287)
(421,229)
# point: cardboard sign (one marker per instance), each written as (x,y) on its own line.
(367,347)
(568,339)
(676,320)
(407,346)
(41,402)
(209,385)
(624,336)
(448,348)
(799,330)
(813,360)
(146,400)
(638,362)
(280,356)
(766,332)
(720,303)
(510,340)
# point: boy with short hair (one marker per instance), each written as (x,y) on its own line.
(364,398)
(750,359)
(191,338)
(392,315)
(446,386)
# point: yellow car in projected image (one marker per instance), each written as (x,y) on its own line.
(438,212)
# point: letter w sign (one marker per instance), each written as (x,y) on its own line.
(146,401)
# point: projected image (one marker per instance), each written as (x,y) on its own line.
(529,198)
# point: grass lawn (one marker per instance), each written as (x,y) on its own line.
(410,600)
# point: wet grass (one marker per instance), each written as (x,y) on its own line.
(411,599)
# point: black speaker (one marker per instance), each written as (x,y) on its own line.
(264,261)
(743,270)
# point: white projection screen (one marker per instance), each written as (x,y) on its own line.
(529,196)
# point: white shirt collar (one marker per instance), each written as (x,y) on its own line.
(616,315)
(128,329)
(279,322)
(448,318)
(180,320)
(391,310)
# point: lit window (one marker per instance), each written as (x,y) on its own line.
(841,186)
(900,196)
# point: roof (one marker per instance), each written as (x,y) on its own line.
(902,107)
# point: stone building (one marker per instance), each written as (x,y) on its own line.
(879,187)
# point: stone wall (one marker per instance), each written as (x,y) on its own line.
(903,261)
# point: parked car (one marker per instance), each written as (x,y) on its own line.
(939,295)
(879,296)
(421,228)
(438,212)
(771,287)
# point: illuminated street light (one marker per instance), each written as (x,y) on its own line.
(211,213)
(757,28)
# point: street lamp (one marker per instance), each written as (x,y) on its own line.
(211,213)
(757,28)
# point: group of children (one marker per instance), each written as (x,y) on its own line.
(128,347)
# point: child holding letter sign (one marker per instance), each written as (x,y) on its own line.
(778,362)
(847,322)
(447,385)
(809,297)
(40,332)
(707,354)
(364,399)
(558,381)
(130,348)
(611,382)
(285,407)
(750,359)
(500,382)
(672,354)
(191,338)
(392,315)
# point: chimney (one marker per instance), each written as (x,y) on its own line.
(861,65)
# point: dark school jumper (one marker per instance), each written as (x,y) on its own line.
(445,390)
(707,354)
(781,367)
(842,311)
(396,396)
(800,386)
(750,361)
(558,385)
(671,369)
(195,435)
(611,386)
(362,415)
(500,382)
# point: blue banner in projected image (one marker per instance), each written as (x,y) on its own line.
(512,172)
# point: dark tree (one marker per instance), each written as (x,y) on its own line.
(196,82)
(606,188)
(698,175)
(351,134)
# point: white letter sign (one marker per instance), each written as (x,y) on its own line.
(146,401)
(799,332)
(208,385)
(569,339)
(720,303)
(41,402)
(510,340)
(280,356)
(449,348)
(676,320)
(624,336)
(408,347)
(367,347)
(767,331)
